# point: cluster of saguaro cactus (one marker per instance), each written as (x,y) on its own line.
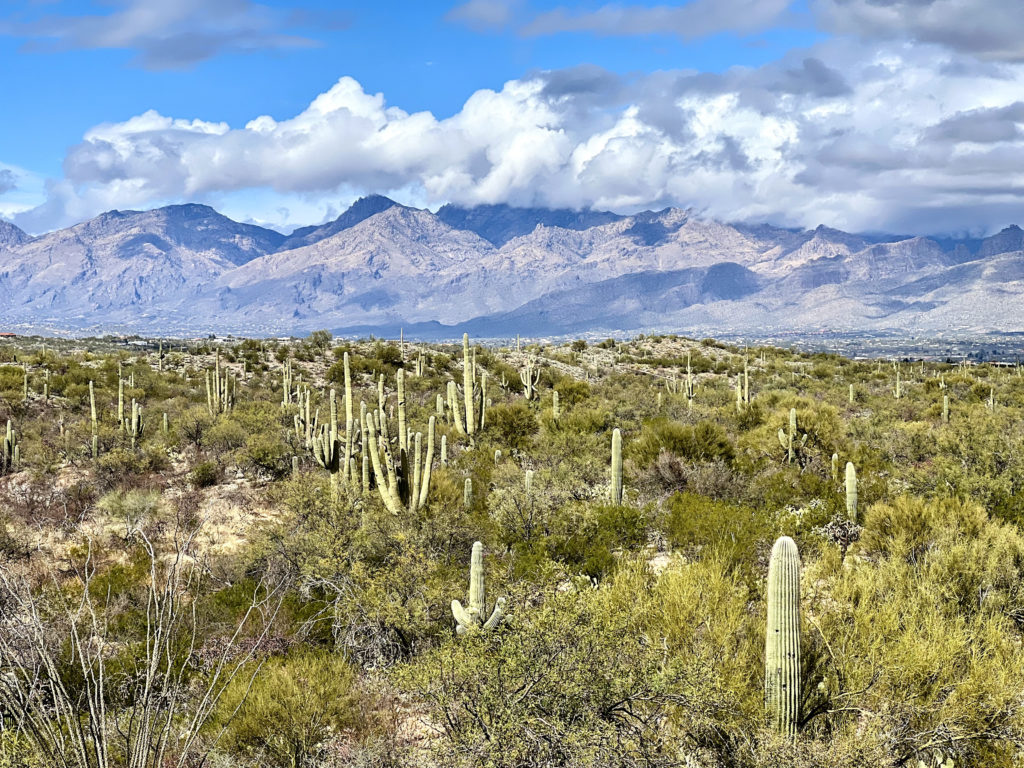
(782,638)
(616,484)
(220,389)
(10,451)
(326,446)
(287,381)
(790,440)
(402,472)
(472,615)
(470,414)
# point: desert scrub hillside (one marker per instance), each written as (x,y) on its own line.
(656,552)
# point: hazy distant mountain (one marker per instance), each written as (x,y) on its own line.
(500,223)
(360,210)
(498,270)
(10,235)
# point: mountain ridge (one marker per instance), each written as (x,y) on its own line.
(189,269)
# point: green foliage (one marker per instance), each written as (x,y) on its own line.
(512,425)
(705,441)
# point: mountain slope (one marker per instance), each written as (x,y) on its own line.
(499,270)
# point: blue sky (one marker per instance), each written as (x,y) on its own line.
(747,109)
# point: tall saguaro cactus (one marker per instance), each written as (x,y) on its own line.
(616,467)
(95,424)
(851,492)
(789,441)
(472,616)
(782,638)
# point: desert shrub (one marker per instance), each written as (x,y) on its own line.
(513,426)
(205,474)
(705,441)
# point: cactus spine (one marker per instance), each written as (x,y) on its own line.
(851,492)
(472,616)
(616,467)
(782,638)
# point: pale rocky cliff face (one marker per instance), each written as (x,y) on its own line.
(496,270)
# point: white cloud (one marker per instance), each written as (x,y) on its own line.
(903,139)
(168,34)
(697,18)
(990,29)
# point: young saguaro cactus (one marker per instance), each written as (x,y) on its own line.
(472,616)
(617,467)
(851,492)
(782,638)
(789,440)
(10,452)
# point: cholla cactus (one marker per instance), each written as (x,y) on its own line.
(782,638)
(472,616)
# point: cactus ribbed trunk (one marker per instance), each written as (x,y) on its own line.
(945,409)
(467,386)
(851,491)
(616,467)
(782,638)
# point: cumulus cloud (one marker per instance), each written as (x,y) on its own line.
(697,18)
(857,137)
(991,29)
(167,35)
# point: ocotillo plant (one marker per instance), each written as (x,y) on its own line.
(782,638)
(616,484)
(851,492)
(472,616)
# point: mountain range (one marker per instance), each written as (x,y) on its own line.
(497,270)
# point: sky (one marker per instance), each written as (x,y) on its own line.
(866,115)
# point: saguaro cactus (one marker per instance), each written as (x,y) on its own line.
(10,452)
(467,493)
(472,616)
(95,425)
(782,638)
(789,440)
(945,409)
(851,492)
(530,376)
(135,426)
(616,467)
